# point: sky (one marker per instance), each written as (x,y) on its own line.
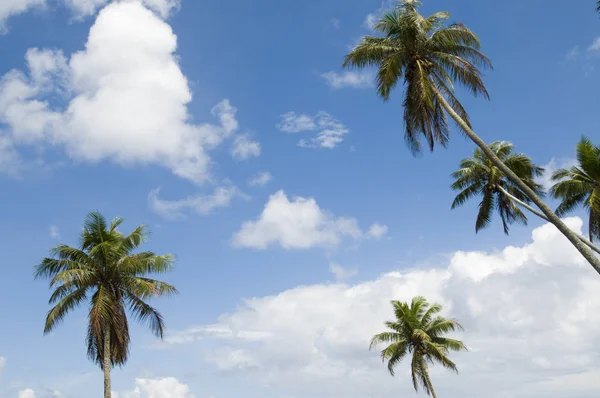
(284,188)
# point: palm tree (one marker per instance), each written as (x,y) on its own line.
(478,176)
(429,57)
(105,271)
(581,185)
(417,331)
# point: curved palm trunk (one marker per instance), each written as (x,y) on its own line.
(542,216)
(106,365)
(552,217)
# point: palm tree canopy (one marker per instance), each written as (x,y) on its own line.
(478,176)
(580,185)
(105,271)
(428,56)
(420,331)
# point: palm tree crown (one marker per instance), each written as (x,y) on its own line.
(478,176)
(104,271)
(419,332)
(429,57)
(580,185)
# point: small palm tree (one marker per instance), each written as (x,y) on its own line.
(105,271)
(417,331)
(478,176)
(429,58)
(581,186)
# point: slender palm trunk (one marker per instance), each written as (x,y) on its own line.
(428,380)
(552,217)
(106,365)
(542,216)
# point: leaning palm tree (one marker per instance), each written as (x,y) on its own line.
(429,58)
(105,271)
(419,332)
(478,176)
(580,185)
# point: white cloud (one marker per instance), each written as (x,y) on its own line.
(370,21)
(335,23)
(243,148)
(296,224)
(27,393)
(168,387)
(54,232)
(551,167)
(294,123)
(377,231)
(595,46)
(342,273)
(127,99)
(260,179)
(362,79)
(84,8)
(10,8)
(531,313)
(330,132)
(199,204)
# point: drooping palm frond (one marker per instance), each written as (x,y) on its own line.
(478,176)
(580,186)
(426,57)
(418,330)
(105,272)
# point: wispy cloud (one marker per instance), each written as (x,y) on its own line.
(54,232)
(342,273)
(260,179)
(363,79)
(329,131)
(200,204)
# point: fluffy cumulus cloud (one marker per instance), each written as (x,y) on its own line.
(126,99)
(531,316)
(83,8)
(298,223)
(352,79)
(329,132)
(27,393)
(157,388)
(198,204)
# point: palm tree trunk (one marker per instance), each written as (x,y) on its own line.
(428,380)
(552,217)
(106,365)
(542,216)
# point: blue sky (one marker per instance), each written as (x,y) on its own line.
(163,112)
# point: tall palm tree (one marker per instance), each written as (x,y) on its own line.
(581,185)
(419,332)
(105,271)
(429,57)
(478,176)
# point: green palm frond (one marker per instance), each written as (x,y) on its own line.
(419,332)
(580,186)
(427,57)
(106,273)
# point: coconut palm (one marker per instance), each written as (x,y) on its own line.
(105,272)
(429,58)
(478,176)
(580,185)
(418,332)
